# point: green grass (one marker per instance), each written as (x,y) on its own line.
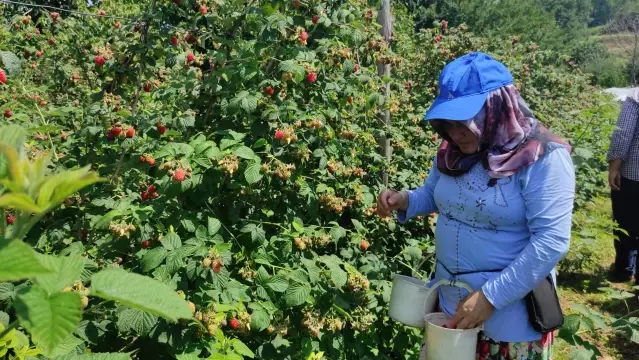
(611,40)
(586,269)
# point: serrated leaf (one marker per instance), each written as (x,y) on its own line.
(140,292)
(337,233)
(136,320)
(171,241)
(338,276)
(19,261)
(241,348)
(297,294)
(67,269)
(259,320)
(358,226)
(252,173)
(214,225)
(20,201)
(66,347)
(153,258)
(4,319)
(245,152)
(50,319)
(11,63)
(293,67)
(277,283)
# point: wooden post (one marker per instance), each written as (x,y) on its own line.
(385,18)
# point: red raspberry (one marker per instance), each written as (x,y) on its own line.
(311,77)
(3,77)
(350,99)
(364,245)
(11,219)
(174,41)
(52,41)
(279,134)
(234,323)
(304,36)
(142,159)
(315,19)
(270,90)
(130,132)
(151,189)
(8,113)
(356,68)
(203,9)
(190,57)
(147,87)
(145,244)
(99,60)
(150,161)
(161,129)
(144,196)
(179,175)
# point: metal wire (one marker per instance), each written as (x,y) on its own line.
(65,10)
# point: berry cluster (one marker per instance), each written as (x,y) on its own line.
(229,164)
(121,229)
(357,282)
(79,288)
(334,203)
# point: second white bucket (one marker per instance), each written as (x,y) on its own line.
(446,344)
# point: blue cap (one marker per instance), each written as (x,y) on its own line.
(464,85)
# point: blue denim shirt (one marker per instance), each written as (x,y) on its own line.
(520,224)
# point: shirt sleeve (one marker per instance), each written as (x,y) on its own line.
(623,135)
(548,191)
(421,201)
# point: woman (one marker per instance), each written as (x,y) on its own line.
(504,189)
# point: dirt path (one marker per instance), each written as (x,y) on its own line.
(586,270)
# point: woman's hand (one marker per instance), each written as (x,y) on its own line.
(391,200)
(472,311)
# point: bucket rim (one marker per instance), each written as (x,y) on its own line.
(427,322)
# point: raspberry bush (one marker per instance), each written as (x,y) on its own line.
(239,150)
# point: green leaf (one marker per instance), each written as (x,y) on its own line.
(338,276)
(50,319)
(245,152)
(292,66)
(136,320)
(337,233)
(97,356)
(277,283)
(259,320)
(19,261)
(11,63)
(297,294)
(171,241)
(241,348)
(19,201)
(67,269)
(140,292)
(153,258)
(358,226)
(66,347)
(214,226)
(252,173)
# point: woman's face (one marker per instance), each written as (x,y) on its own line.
(462,136)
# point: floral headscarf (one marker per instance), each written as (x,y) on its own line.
(511,138)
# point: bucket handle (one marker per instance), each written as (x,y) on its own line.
(414,271)
(444,282)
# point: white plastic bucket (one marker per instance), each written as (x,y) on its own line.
(406,294)
(445,344)
(411,299)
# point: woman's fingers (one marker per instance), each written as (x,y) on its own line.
(383,207)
